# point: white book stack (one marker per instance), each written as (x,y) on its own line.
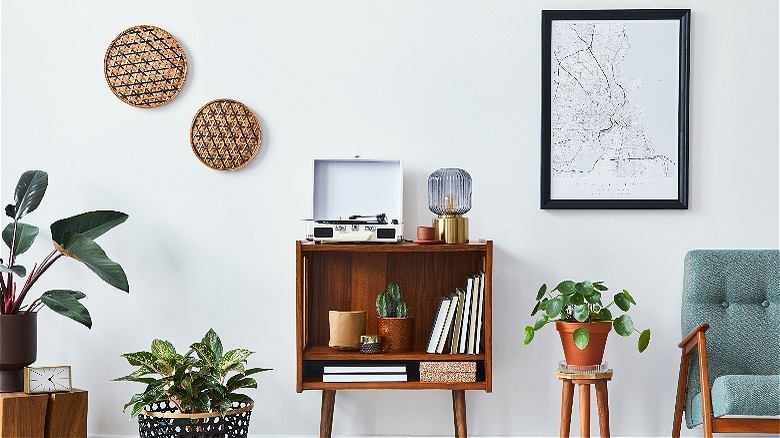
(364,373)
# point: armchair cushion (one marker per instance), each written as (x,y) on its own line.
(739,395)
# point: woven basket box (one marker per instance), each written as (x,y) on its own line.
(451,372)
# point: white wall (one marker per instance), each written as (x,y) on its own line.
(433,83)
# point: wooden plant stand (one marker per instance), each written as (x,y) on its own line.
(56,415)
(583,381)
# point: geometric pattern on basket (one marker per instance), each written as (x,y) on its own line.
(232,426)
(225,134)
(145,66)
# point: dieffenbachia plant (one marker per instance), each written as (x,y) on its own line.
(73,237)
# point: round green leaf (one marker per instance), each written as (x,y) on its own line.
(528,335)
(554,308)
(599,285)
(581,313)
(566,287)
(542,291)
(605,314)
(594,297)
(581,338)
(540,322)
(623,325)
(577,298)
(584,287)
(629,297)
(644,340)
(536,308)
(622,301)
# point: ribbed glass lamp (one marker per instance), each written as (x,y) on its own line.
(449,197)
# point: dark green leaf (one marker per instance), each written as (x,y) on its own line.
(536,308)
(541,321)
(25,236)
(91,224)
(542,291)
(554,308)
(251,371)
(86,251)
(599,286)
(29,191)
(528,335)
(622,301)
(577,298)
(15,269)
(66,304)
(239,398)
(623,325)
(543,304)
(629,297)
(594,297)
(246,382)
(566,287)
(584,287)
(581,313)
(581,338)
(605,315)
(644,340)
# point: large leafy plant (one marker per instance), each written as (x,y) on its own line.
(73,237)
(581,302)
(196,383)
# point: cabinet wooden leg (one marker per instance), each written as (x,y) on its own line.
(602,401)
(567,398)
(584,410)
(326,412)
(459,412)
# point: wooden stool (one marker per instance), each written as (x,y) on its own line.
(55,415)
(584,381)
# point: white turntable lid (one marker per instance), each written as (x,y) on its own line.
(345,187)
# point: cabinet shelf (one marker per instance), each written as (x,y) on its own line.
(325,353)
(314,384)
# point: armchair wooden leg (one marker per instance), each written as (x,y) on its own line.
(682,381)
(704,377)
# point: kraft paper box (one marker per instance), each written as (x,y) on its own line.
(346,328)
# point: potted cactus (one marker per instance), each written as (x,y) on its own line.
(395,326)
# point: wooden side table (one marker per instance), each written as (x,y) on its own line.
(583,381)
(55,415)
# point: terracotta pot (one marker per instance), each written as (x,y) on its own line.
(397,334)
(18,348)
(594,352)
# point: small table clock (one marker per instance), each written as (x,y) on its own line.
(39,380)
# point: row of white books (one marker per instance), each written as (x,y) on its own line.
(457,326)
(365,373)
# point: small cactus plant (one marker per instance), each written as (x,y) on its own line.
(389,303)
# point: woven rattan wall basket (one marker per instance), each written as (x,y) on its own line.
(145,66)
(225,134)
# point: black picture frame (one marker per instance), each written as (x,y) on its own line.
(624,200)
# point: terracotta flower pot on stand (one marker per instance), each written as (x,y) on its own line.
(397,334)
(18,348)
(594,352)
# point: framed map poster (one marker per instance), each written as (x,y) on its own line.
(615,109)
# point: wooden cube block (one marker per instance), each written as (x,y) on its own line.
(60,415)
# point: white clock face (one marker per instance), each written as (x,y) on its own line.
(49,379)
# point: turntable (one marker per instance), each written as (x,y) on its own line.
(356,200)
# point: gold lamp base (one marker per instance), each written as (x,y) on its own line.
(452,229)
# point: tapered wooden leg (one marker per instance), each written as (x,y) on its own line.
(602,401)
(459,412)
(326,412)
(584,390)
(567,398)
(704,380)
(682,382)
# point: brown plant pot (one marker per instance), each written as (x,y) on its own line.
(594,352)
(397,334)
(18,348)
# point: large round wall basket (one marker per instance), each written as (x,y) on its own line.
(225,134)
(145,66)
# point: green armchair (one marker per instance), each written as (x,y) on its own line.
(730,362)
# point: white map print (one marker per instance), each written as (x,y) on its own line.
(601,129)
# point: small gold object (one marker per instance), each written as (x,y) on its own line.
(452,228)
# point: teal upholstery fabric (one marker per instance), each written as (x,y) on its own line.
(736,292)
(741,395)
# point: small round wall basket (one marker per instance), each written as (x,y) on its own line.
(145,66)
(162,420)
(225,134)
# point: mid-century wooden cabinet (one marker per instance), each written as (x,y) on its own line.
(349,277)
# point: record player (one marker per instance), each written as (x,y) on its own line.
(356,200)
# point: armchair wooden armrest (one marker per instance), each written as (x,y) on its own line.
(694,340)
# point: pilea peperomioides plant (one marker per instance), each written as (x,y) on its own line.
(390,304)
(195,384)
(581,302)
(73,237)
